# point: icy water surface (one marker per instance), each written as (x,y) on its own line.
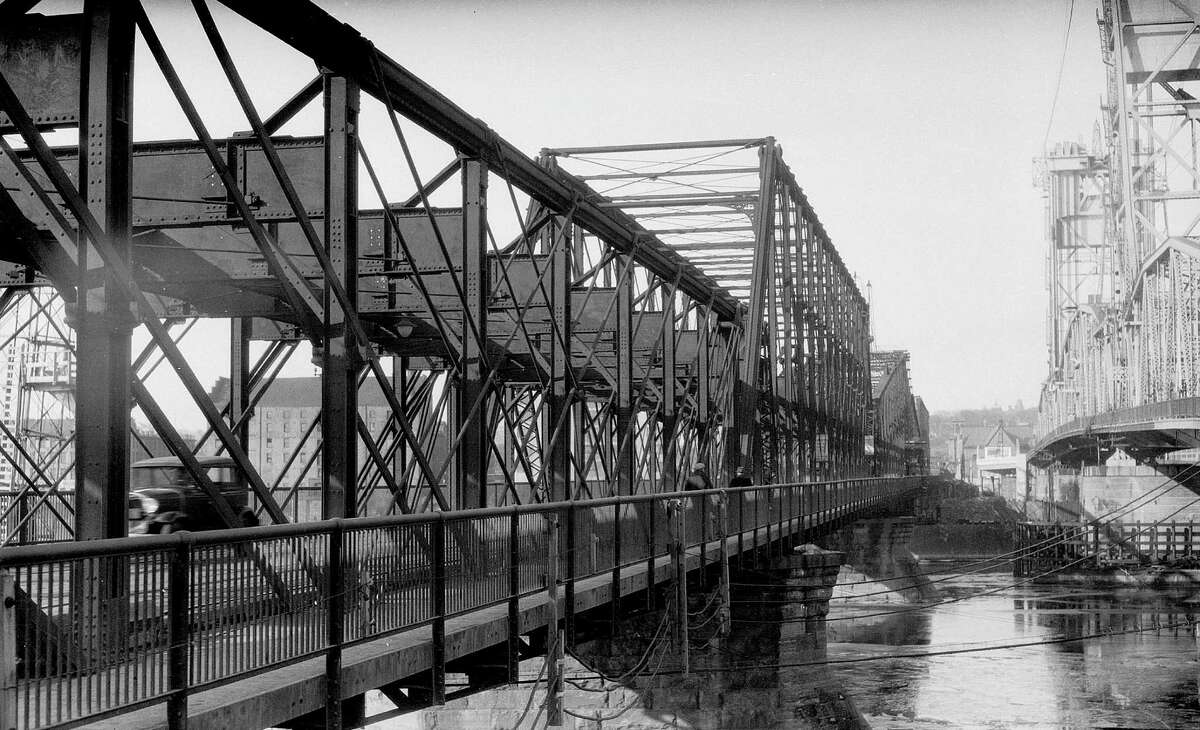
(1134,676)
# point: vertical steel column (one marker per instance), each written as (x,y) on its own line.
(773,325)
(340,359)
(826,357)
(471,456)
(670,469)
(802,323)
(626,439)
(239,378)
(704,319)
(556,413)
(400,383)
(788,356)
(557,425)
(104,317)
(742,444)
(341,364)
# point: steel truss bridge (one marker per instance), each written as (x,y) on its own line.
(1124,319)
(556,341)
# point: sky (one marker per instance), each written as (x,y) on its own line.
(912,126)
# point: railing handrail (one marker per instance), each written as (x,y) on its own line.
(26,554)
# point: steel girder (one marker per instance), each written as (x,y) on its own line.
(803,374)
(242,248)
(342,49)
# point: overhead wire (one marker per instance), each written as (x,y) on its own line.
(1058,83)
(600,719)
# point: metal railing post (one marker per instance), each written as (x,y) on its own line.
(757,520)
(704,519)
(569,588)
(767,521)
(741,526)
(554,636)
(791,518)
(178,634)
(615,600)
(675,538)
(439,610)
(650,582)
(784,517)
(514,587)
(335,619)
(8,651)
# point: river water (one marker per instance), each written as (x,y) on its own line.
(1142,672)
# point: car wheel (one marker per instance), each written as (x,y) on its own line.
(168,527)
(249,519)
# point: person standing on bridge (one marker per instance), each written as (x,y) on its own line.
(741,479)
(698,479)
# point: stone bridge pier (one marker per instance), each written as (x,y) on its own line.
(752,656)
(879,549)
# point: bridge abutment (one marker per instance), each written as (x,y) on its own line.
(1140,493)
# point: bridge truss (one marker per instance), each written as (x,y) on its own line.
(537,335)
(1123,218)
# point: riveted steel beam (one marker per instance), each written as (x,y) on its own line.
(343,50)
(104,318)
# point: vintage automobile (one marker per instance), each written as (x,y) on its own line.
(169,499)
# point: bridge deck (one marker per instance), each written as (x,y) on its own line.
(256,668)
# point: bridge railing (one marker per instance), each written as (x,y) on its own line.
(31,517)
(102,627)
(1148,412)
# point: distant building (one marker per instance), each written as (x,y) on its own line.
(282,417)
(992,457)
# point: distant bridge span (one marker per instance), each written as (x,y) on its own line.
(1144,432)
(1124,259)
